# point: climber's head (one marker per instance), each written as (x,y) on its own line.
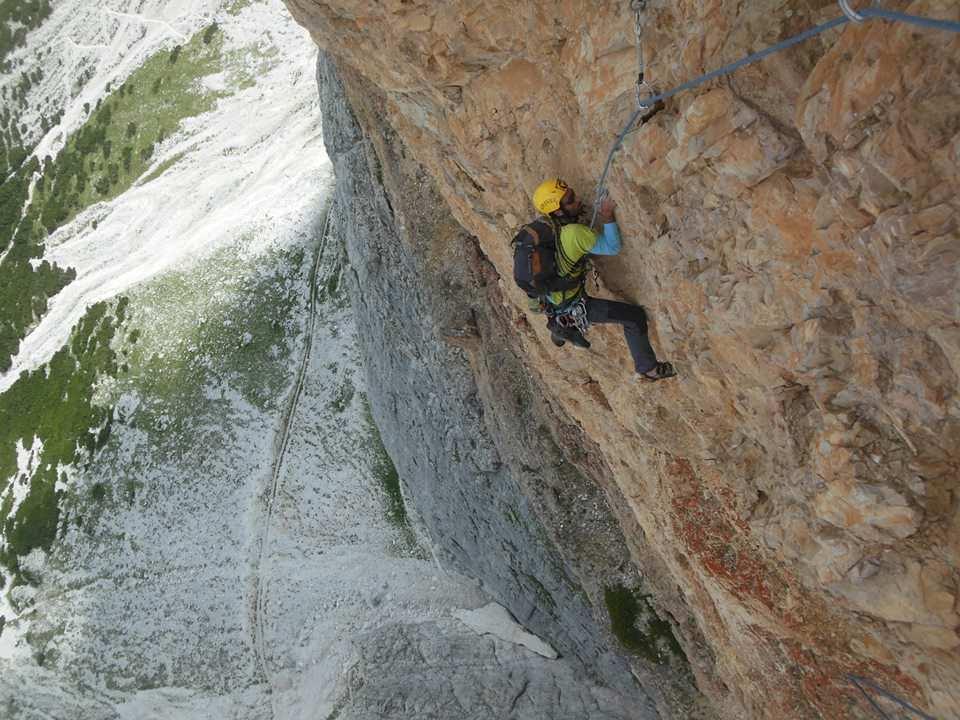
(554,197)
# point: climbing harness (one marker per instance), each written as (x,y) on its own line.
(860,682)
(849,15)
(572,316)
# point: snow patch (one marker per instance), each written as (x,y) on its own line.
(215,83)
(34,563)
(65,474)
(28,462)
(494,619)
(12,631)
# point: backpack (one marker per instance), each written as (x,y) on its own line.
(535,261)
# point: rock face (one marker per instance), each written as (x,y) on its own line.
(461,449)
(792,500)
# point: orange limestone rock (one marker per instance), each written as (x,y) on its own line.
(793,233)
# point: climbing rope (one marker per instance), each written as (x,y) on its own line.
(849,15)
(860,682)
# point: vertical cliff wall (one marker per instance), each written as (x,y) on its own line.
(461,416)
(793,231)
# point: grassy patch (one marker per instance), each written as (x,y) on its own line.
(338,708)
(511,515)
(343,396)
(388,479)
(244,66)
(386,473)
(638,627)
(162,168)
(238,6)
(41,640)
(56,404)
(100,161)
(333,291)
(216,326)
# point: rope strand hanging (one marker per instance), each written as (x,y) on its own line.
(849,15)
(861,683)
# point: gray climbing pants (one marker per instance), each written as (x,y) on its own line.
(633,318)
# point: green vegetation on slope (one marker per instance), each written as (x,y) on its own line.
(238,6)
(13,151)
(24,287)
(386,473)
(100,161)
(224,324)
(17,18)
(388,478)
(332,290)
(638,627)
(176,341)
(114,147)
(55,404)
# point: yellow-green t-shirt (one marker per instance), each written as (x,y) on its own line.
(575,242)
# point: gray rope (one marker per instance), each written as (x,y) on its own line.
(951,25)
(857,680)
(850,12)
(920,20)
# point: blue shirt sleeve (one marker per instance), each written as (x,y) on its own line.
(609,242)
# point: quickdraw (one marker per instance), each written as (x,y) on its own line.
(573,316)
(849,15)
(639,8)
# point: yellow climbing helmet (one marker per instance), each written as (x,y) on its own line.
(547,196)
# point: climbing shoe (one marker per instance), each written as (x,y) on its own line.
(561,335)
(660,371)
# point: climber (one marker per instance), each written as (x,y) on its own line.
(571,311)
